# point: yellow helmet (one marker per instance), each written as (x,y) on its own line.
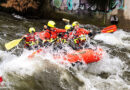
(67,27)
(75,23)
(32,29)
(51,24)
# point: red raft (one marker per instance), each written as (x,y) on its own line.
(85,55)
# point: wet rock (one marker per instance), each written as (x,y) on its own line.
(47,76)
(104,75)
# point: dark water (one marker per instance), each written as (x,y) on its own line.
(42,73)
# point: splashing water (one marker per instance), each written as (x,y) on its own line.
(118,38)
(43,72)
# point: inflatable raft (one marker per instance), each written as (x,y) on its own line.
(86,55)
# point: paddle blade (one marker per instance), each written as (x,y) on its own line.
(12,44)
(109,29)
(66,20)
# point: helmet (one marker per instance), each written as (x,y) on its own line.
(31,29)
(67,27)
(75,23)
(51,24)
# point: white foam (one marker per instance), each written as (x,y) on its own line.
(113,82)
(89,74)
(107,64)
(22,65)
(128,54)
(115,38)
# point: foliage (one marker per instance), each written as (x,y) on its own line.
(20,5)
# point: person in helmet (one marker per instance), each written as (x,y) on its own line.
(82,31)
(51,33)
(75,23)
(41,35)
(63,37)
(68,28)
(78,36)
(31,39)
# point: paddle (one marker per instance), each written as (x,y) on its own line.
(12,44)
(65,20)
(109,29)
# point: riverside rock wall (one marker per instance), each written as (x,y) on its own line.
(123,15)
(95,12)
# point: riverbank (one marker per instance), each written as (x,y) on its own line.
(43,9)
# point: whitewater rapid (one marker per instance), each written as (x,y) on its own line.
(107,74)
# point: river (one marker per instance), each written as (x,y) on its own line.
(44,73)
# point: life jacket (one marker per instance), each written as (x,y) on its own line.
(79,32)
(82,31)
(41,35)
(51,34)
(63,37)
(30,39)
(66,35)
(79,35)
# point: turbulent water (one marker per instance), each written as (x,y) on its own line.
(44,73)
